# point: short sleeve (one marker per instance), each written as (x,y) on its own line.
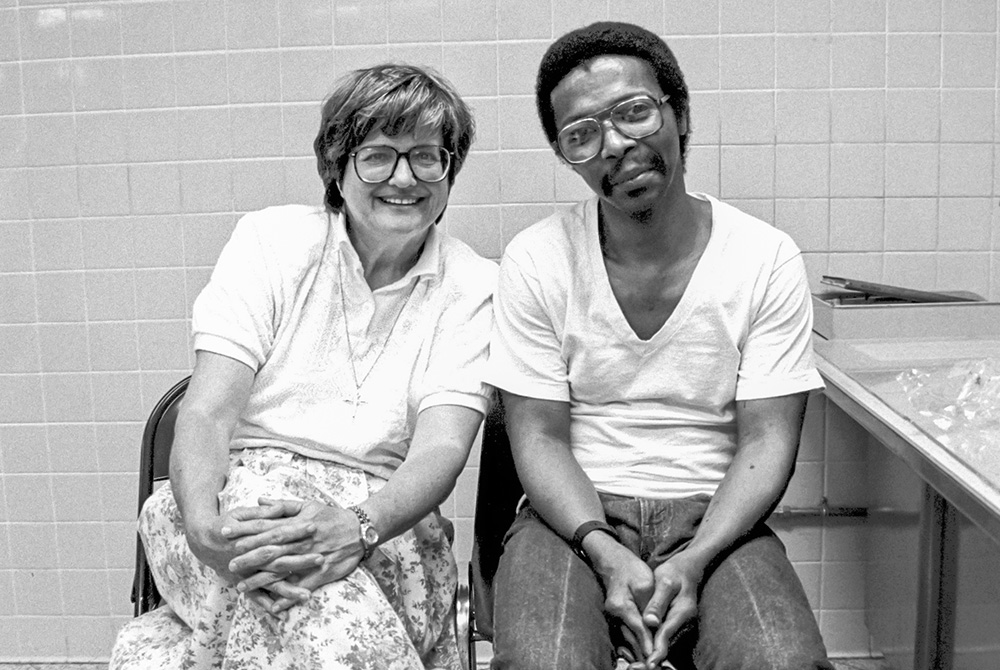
(456,366)
(776,358)
(525,351)
(234,315)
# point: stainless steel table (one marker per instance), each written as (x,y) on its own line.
(960,472)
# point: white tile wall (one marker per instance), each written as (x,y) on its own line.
(133,134)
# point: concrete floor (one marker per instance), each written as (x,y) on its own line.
(861,664)
(840,664)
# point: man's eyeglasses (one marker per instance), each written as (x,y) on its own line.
(635,118)
(376,164)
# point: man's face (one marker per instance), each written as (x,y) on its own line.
(628,174)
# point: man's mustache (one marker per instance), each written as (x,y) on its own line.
(655,162)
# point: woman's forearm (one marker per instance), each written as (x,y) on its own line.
(199,459)
(438,452)
(418,487)
(199,463)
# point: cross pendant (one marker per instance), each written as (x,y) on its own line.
(355,402)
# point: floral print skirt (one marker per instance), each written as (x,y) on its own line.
(396,611)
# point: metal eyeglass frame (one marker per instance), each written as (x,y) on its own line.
(606,114)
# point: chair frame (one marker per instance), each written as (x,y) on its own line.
(498,494)
(154,466)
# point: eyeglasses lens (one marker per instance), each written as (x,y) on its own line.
(376,164)
(637,118)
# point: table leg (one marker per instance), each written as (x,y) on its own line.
(934,645)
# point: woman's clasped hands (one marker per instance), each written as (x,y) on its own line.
(283,550)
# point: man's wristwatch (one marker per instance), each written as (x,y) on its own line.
(369,536)
(585,529)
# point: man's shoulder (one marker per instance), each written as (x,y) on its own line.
(555,233)
(742,230)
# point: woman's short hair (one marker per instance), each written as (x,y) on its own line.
(395,99)
(603,39)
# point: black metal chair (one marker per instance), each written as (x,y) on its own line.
(154,466)
(498,492)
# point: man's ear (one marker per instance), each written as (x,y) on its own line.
(683,123)
(555,148)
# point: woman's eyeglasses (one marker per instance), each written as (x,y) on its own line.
(375,164)
(635,118)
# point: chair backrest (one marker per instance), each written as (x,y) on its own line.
(154,466)
(498,493)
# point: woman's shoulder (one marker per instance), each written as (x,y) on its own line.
(287,224)
(462,267)
(287,233)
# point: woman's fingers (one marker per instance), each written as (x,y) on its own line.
(259,580)
(275,508)
(262,557)
(294,563)
(276,597)
(262,599)
(287,595)
(284,534)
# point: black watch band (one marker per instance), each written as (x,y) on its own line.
(585,529)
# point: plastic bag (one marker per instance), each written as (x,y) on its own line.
(964,396)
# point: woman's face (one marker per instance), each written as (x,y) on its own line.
(400,206)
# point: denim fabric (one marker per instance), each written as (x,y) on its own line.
(549,607)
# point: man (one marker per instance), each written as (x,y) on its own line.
(653,351)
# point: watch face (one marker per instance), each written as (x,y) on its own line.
(370,536)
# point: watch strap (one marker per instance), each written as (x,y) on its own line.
(366,523)
(585,529)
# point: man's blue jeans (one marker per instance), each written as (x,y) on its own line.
(549,606)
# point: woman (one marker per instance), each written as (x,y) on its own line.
(336,392)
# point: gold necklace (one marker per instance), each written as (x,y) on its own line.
(357,401)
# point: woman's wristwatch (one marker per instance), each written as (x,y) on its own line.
(585,529)
(369,536)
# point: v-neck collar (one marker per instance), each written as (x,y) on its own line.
(685,305)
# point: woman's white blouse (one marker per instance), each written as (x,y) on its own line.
(275,302)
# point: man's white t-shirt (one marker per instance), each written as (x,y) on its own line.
(653,418)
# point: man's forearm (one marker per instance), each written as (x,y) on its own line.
(742,500)
(765,458)
(553,480)
(559,490)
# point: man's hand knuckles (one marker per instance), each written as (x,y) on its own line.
(616,605)
(668,584)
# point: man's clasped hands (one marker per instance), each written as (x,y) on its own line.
(652,605)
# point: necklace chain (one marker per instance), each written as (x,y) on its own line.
(350,347)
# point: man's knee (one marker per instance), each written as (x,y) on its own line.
(749,647)
(548,607)
(561,651)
